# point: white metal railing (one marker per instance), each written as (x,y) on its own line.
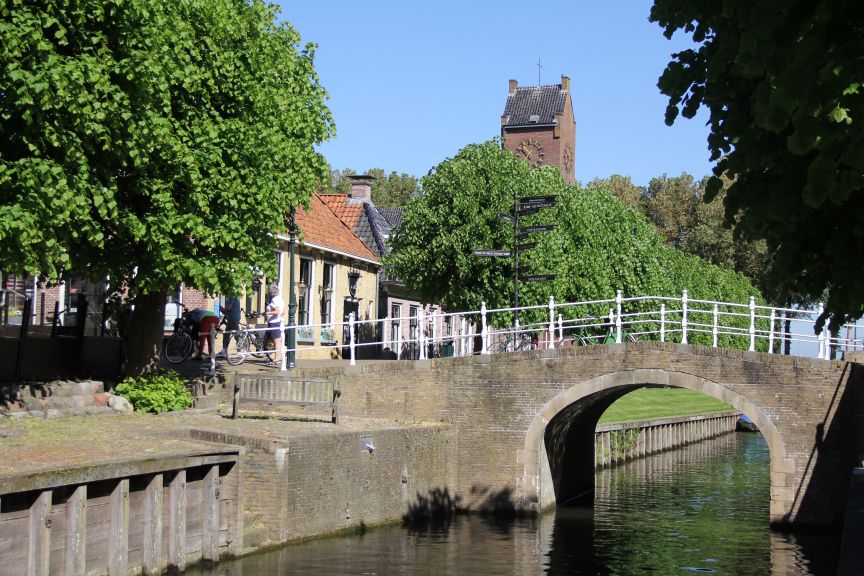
(554,325)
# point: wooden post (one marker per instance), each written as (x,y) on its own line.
(39,543)
(118,545)
(177,523)
(210,542)
(153,497)
(76,532)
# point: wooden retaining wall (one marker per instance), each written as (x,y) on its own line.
(615,443)
(163,515)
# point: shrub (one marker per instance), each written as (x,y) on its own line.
(158,391)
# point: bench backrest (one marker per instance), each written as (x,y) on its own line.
(282,389)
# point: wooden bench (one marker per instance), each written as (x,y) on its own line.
(269,389)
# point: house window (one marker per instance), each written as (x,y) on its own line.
(395,313)
(327,294)
(414,332)
(304,283)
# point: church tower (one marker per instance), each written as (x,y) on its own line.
(538,125)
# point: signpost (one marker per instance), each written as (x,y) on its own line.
(522,207)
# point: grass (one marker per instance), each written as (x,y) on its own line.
(646,403)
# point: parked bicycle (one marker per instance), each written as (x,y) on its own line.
(514,343)
(251,340)
(586,337)
(178,347)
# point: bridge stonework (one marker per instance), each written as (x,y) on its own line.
(525,421)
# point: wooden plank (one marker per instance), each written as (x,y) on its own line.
(210,506)
(39,543)
(76,531)
(13,547)
(177,522)
(118,547)
(153,562)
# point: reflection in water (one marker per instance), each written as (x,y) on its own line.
(701,508)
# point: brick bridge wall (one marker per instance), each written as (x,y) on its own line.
(525,422)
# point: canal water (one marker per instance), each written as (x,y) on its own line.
(699,509)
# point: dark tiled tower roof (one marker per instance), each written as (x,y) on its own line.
(534,105)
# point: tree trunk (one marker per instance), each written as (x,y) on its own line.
(144,335)
(787,329)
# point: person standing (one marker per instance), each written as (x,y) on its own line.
(231,310)
(274,311)
(204,320)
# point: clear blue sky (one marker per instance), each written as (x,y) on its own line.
(411,84)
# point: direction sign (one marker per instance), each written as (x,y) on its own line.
(526,246)
(534,207)
(493,253)
(507,218)
(528,211)
(537,277)
(530,229)
(538,200)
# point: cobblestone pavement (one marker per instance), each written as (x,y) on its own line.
(35,445)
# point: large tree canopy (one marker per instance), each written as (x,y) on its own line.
(599,245)
(782,81)
(153,142)
(676,208)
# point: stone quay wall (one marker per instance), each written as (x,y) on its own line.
(622,442)
(324,483)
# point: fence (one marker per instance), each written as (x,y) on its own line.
(614,320)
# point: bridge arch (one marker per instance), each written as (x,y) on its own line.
(583,403)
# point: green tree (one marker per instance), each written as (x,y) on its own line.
(620,186)
(336,182)
(153,144)
(598,246)
(393,190)
(781,81)
(670,203)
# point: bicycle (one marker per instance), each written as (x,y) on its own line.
(246,339)
(584,337)
(520,343)
(178,347)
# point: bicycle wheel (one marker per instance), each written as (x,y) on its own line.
(238,354)
(270,347)
(259,340)
(497,347)
(178,347)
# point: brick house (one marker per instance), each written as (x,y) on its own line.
(538,125)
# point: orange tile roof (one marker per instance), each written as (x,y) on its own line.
(321,226)
(348,213)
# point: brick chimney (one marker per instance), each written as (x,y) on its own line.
(565,83)
(361,187)
(513,85)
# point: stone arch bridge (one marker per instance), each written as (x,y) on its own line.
(524,422)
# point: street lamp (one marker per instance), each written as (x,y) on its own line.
(292,303)
(353,278)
